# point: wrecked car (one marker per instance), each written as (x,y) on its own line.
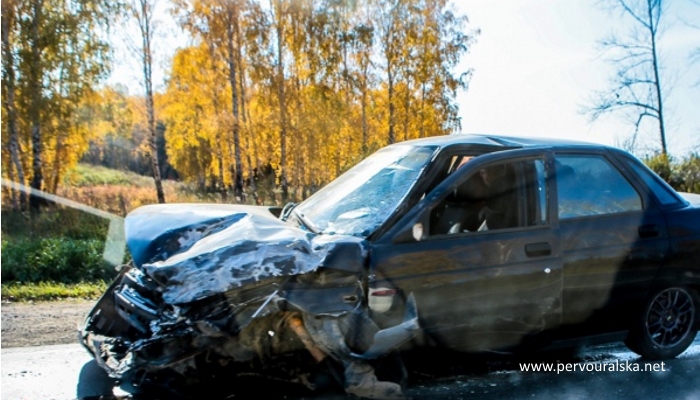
(469,242)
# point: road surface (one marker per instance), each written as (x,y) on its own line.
(66,372)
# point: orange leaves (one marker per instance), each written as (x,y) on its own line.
(326,70)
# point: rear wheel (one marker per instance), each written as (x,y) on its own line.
(667,326)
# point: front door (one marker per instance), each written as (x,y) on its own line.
(484,260)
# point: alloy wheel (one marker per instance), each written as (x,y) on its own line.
(670,317)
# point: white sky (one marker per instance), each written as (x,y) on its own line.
(536,63)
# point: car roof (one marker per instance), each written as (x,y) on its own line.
(505,142)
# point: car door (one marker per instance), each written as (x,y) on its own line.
(477,288)
(614,240)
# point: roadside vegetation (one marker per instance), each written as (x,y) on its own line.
(57,253)
(683,175)
(51,291)
(267,103)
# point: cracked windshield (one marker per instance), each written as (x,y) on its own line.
(363,198)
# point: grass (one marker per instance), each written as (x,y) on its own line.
(119,192)
(51,291)
(95,175)
(52,223)
(57,253)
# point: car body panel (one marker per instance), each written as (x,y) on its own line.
(238,283)
(459,279)
(610,260)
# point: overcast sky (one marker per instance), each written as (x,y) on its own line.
(537,62)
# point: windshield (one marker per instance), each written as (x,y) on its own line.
(361,199)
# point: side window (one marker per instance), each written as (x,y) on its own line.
(590,185)
(499,196)
(663,192)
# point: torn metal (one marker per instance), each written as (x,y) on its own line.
(220,284)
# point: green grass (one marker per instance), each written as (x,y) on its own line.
(52,291)
(53,223)
(94,175)
(64,260)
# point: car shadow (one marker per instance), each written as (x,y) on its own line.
(93,382)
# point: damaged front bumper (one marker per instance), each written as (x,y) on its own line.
(134,335)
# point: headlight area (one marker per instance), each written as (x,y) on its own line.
(287,328)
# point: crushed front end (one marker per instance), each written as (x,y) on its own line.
(236,290)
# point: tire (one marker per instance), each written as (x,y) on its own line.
(667,326)
(391,368)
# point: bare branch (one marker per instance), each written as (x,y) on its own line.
(633,14)
(635,87)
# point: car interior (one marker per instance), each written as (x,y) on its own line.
(500,196)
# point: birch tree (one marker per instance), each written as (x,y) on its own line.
(142,12)
(636,89)
(54,53)
(9,102)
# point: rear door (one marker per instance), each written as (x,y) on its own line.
(491,275)
(614,240)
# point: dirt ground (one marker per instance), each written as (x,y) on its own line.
(42,323)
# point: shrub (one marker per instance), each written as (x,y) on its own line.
(55,222)
(54,259)
(683,176)
(688,173)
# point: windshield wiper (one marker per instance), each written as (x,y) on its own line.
(305,221)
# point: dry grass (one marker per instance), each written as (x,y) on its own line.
(120,199)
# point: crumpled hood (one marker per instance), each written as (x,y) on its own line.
(197,250)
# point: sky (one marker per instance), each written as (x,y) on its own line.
(537,63)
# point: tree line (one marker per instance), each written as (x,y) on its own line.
(299,90)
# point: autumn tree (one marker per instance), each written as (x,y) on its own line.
(9,103)
(636,88)
(390,17)
(194,110)
(218,25)
(142,13)
(117,120)
(318,85)
(362,43)
(54,53)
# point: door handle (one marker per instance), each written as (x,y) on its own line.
(538,249)
(647,231)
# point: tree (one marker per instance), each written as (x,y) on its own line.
(279,10)
(54,52)
(636,89)
(194,110)
(391,15)
(218,25)
(695,53)
(313,93)
(142,11)
(8,96)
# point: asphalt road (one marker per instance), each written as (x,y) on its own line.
(66,372)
